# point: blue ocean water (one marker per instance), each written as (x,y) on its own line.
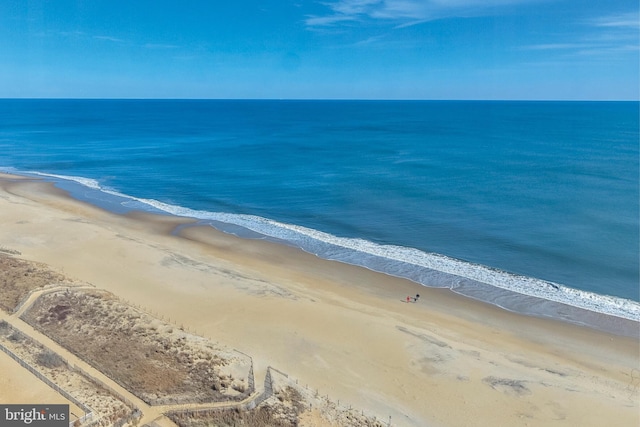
(480,197)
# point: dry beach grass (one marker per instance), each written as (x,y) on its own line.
(18,278)
(154,360)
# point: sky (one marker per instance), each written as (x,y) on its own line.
(324,49)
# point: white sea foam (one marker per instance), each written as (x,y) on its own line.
(306,237)
(395,259)
(87,182)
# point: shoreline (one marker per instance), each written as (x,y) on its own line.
(341,328)
(508,291)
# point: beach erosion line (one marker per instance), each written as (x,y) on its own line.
(507,290)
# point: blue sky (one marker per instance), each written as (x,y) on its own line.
(363,49)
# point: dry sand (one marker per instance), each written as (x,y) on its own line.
(444,361)
(17,385)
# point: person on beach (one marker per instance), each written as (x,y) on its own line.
(408,299)
(416,298)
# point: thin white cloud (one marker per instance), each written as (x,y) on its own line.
(584,49)
(608,51)
(354,7)
(607,37)
(368,40)
(323,21)
(109,38)
(403,12)
(554,46)
(623,20)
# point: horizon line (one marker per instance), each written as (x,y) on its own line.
(316,99)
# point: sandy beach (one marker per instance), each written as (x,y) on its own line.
(346,331)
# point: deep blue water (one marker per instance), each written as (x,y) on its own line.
(541,189)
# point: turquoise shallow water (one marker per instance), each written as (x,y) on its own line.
(545,190)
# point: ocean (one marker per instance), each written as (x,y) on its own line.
(532,206)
